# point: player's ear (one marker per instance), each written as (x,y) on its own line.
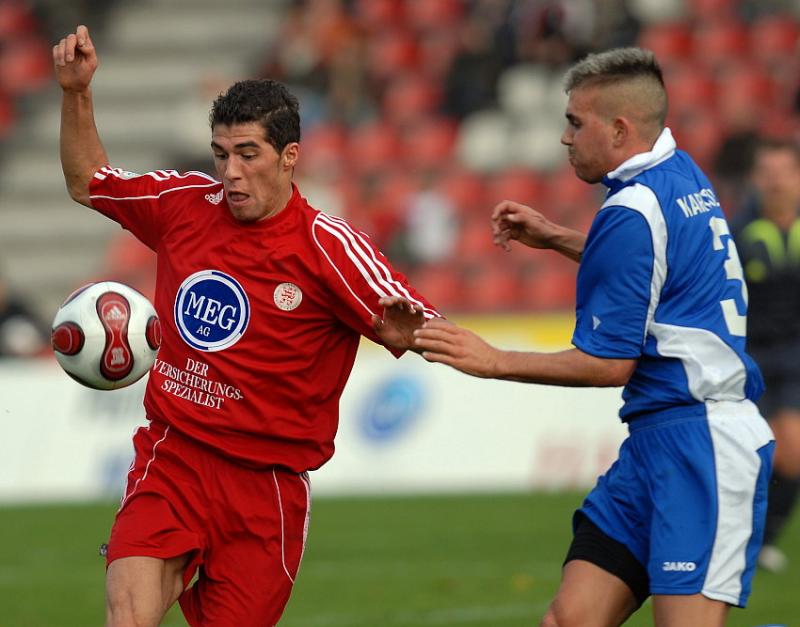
(290,155)
(621,129)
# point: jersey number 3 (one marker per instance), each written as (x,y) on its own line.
(736,322)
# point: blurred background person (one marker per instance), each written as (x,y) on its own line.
(21,333)
(768,239)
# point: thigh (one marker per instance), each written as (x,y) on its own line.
(255,546)
(142,589)
(589,596)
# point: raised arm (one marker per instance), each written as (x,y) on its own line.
(82,154)
(513,221)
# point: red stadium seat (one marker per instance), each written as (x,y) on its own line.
(774,38)
(408,96)
(322,148)
(15,19)
(721,43)
(520,185)
(689,87)
(670,41)
(441,284)
(375,15)
(492,286)
(25,65)
(436,49)
(7,114)
(428,143)
(710,10)
(436,14)
(465,189)
(391,52)
(373,146)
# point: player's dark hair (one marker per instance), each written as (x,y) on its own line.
(778,144)
(264,101)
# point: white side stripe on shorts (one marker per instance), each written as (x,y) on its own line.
(146,469)
(283,535)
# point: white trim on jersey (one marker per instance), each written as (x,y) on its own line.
(738,432)
(387,280)
(663,149)
(371,269)
(152,196)
(713,369)
(643,200)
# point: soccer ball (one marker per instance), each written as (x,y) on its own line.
(106,335)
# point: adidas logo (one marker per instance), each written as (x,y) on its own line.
(115,313)
(215,199)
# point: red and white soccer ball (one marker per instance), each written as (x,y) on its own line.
(106,335)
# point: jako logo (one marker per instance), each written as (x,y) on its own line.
(211,311)
(684,566)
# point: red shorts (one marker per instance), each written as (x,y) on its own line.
(245,529)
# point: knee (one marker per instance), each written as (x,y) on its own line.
(559,615)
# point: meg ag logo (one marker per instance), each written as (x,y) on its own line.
(211,310)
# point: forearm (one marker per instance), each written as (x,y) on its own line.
(568,242)
(82,153)
(570,368)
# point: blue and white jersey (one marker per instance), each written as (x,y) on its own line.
(660,281)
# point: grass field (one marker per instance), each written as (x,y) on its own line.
(473,561)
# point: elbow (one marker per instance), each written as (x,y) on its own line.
(615,373)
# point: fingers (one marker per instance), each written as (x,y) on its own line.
(78,43)
(84,41)
(398,301)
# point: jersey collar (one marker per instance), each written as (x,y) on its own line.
(662,150)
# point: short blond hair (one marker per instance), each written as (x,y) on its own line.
(633,69)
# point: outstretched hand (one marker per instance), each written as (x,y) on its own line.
(514,221)
(75,60)
(444,342)
(400,319)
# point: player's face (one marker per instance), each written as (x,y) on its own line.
(257,180)
(587,136)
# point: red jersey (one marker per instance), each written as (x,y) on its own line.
(261,321)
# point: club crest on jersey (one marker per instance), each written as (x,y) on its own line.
(287,296)
(211,310)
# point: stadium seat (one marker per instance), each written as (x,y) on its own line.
(492,286)
(377,15)
(7,114)
(428,143)
(689,87)
(408,96)
(390,53)
(720,42)
(441,14)
(16,20)
(483,141)
(518,184)
(465,189)
(774,38)
(670,41)
(25,65)
(711,10)
(372,146)
(441,284)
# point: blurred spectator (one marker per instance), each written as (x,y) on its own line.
(21,334)
(768,240)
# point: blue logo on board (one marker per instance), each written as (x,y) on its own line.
(392,407)
(211,311)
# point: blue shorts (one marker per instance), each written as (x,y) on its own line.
(688,497)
